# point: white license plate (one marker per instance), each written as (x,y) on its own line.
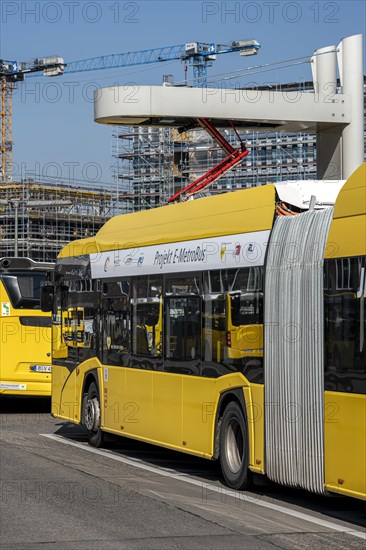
(41,368)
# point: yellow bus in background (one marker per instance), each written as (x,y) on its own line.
(228,331)
(25,331)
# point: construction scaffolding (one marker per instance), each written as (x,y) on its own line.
(38,218)
(151,164)
(143,167)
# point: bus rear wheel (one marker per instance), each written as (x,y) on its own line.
(234,455)
(92,416)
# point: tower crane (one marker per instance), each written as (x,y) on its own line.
(12,72)
(199,55)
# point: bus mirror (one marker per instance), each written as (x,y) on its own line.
(47,296)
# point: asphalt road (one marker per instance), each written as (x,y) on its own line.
(59,493)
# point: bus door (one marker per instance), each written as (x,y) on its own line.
(64,351)
(182,354)
(116,323)
(147,323)
(145,359)
(60,326)
(345,375)
(77,328)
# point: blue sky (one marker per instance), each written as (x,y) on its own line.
(54,132)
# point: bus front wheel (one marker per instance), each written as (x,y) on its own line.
(92,416)
(234,455)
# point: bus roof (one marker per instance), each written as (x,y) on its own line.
(352,197)
(238,212)
(241,211)
(347,234)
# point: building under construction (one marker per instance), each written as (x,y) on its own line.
(37,218)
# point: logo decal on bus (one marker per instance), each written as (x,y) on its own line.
(5,309)
(237,250)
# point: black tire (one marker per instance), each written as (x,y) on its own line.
(91,415)
(234,449)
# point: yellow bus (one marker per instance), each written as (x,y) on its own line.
(225,331)
(25,346)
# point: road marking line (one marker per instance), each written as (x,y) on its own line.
(167,472)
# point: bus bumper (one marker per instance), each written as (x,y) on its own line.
(40,388)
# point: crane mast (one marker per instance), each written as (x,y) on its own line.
(6,129)
(12,72)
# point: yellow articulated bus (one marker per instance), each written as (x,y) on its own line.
(25,331)
(227,330)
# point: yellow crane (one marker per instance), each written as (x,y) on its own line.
(12,72)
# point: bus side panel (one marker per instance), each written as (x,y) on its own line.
(136,404)
(200,398)
(345,443)
(142,404)
(167,408)
(254,399)
(340,244)
(64,402)
(114,386)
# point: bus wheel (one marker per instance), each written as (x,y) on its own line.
(92,416)
(234,455)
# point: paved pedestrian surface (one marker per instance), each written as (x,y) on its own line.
(57,492)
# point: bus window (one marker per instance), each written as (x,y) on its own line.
(79,318)
(345,324)
(245,323)
(246,308)
(233,322)
(147,316)
(183,323)
(182,285)
(183,328)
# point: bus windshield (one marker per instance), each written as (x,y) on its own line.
(24,288)
(246,308)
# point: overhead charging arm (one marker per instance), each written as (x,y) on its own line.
(235,156)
